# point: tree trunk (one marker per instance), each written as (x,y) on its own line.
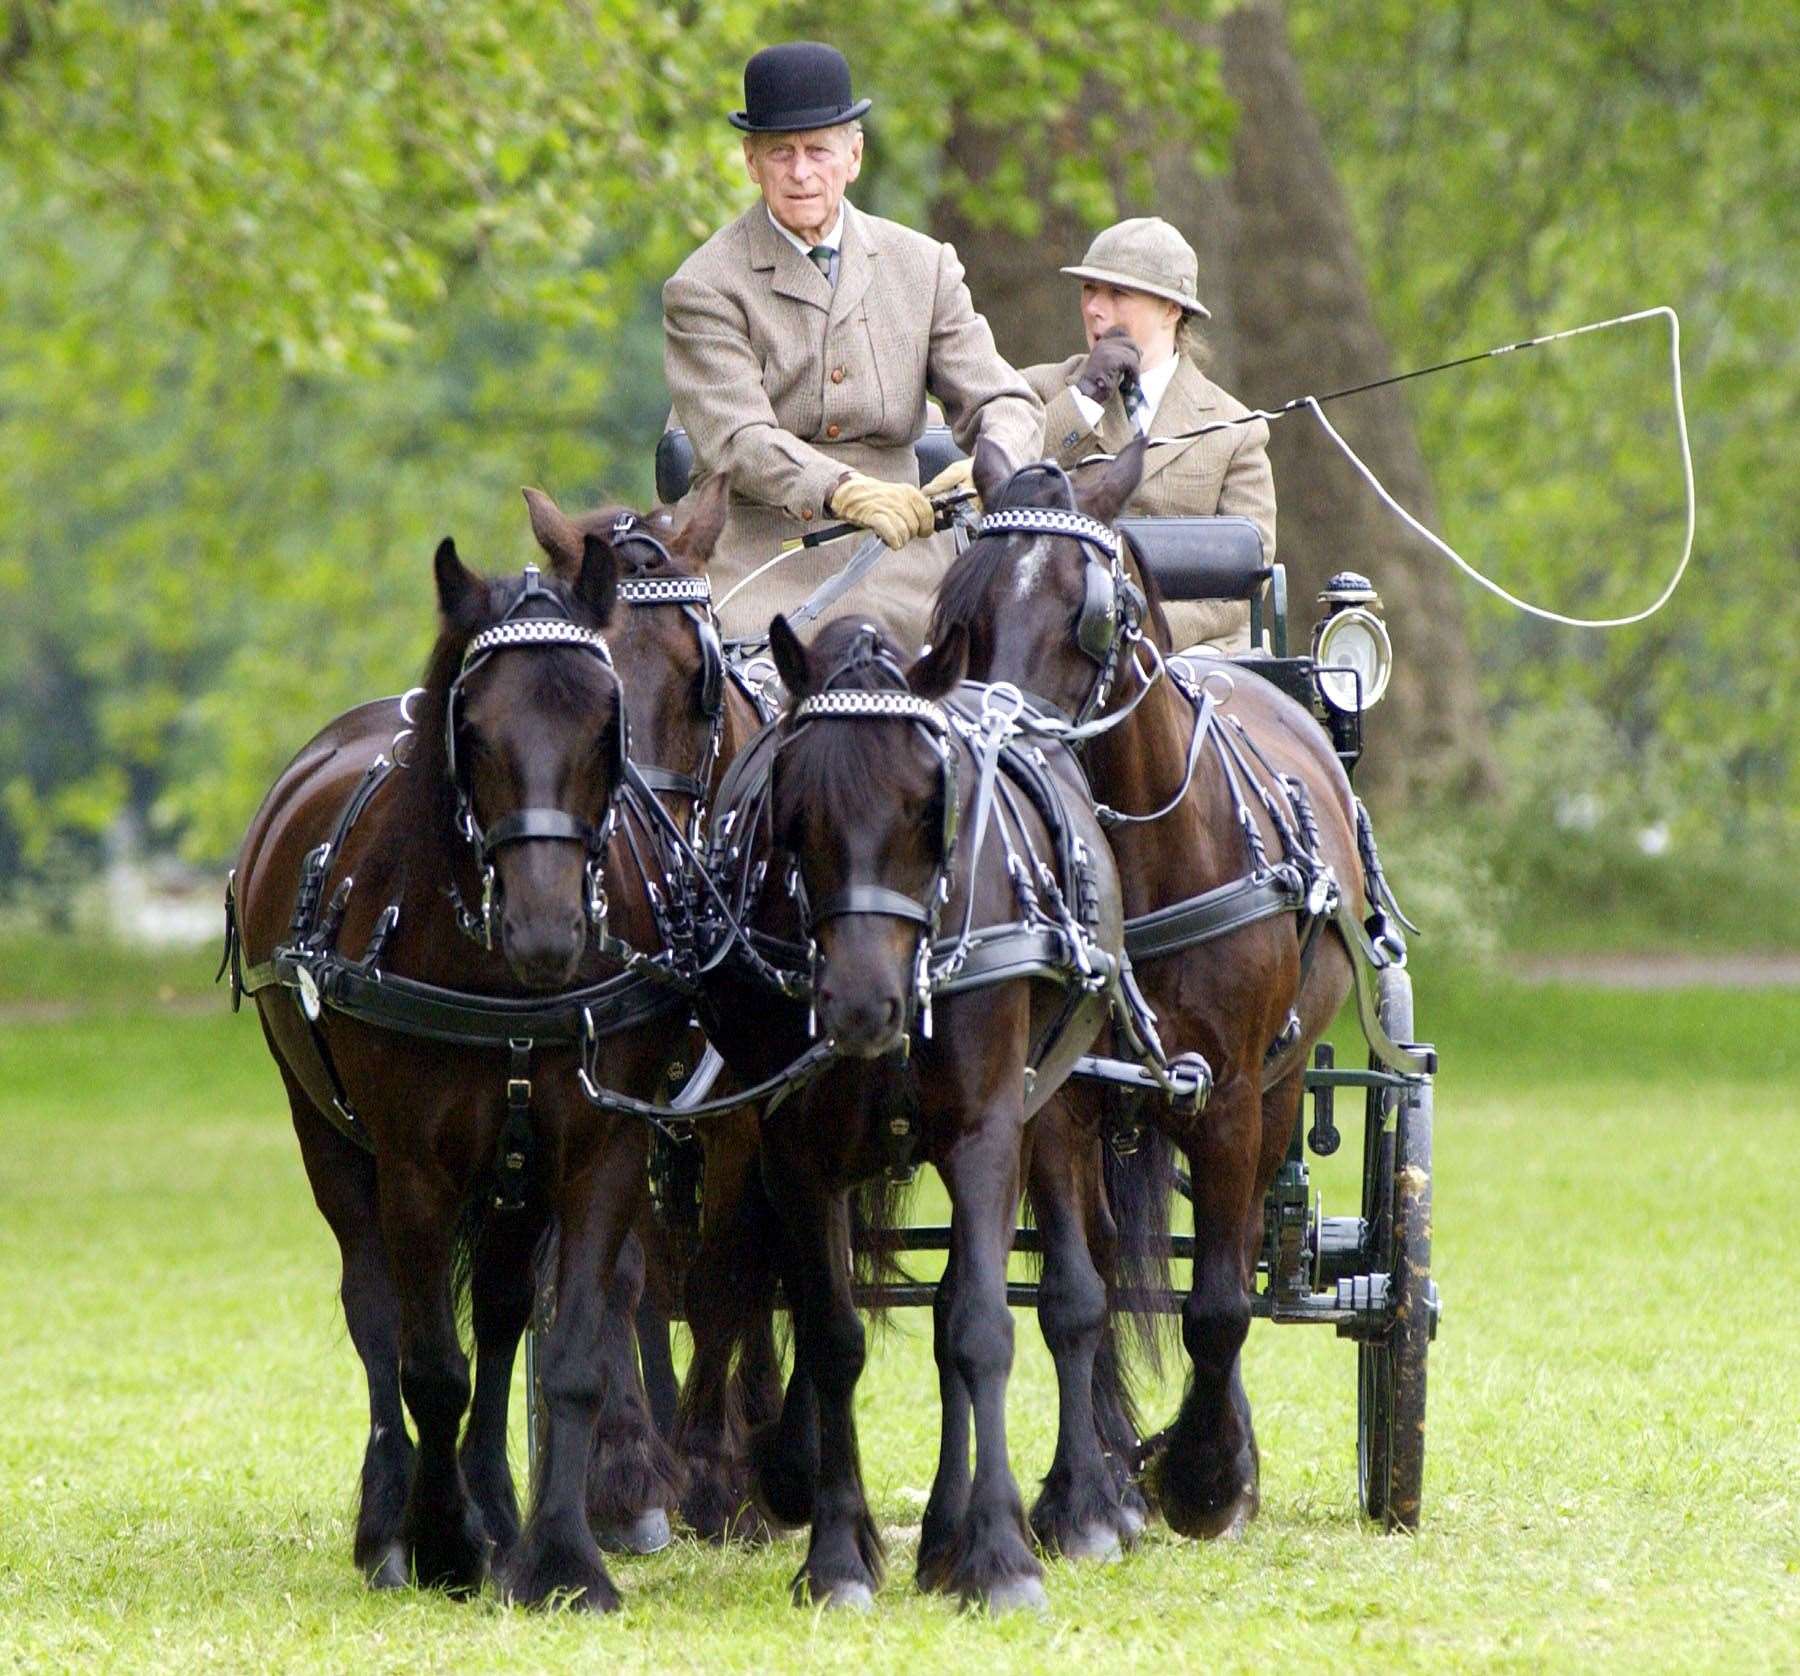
(1291,315)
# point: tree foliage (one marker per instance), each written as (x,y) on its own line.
(288,288)
(1516,169)
(294,286)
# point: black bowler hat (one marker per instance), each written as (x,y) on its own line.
(794,87)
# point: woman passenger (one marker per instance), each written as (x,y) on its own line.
(1140,375)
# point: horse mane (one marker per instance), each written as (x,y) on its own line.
(832,770)
(964,592)
(638,560)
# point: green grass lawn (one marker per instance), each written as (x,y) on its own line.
(1613,1445)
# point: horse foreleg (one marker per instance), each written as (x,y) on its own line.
(844,1560)
(658,1365)
(948,1504)
(440,1526)
(631,1474)
(990,1560)
(730,1310)
(557,1557)
(503,1286)
(1205,1478)
(1078,1513)
(343,1183)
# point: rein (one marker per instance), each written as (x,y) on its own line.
(1055,936)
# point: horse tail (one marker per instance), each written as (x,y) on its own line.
(1140,1186)
(877,1217)
(465,1249)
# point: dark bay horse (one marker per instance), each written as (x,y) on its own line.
(685,710)
(513,758)
(1044,611)
(848,814)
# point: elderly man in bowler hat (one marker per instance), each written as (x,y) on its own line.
(800,344)
(1141,376)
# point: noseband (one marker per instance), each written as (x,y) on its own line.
(1112,606)
(513,633)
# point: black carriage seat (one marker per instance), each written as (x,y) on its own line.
(936,448)
(1214,558)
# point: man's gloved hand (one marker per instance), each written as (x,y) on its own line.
(897,512)
(958,475)
(1112,357)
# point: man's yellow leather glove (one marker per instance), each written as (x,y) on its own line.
(896,512)
(958,475)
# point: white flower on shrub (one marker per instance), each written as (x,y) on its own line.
(1578,811)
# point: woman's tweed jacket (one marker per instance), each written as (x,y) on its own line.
(1224,471)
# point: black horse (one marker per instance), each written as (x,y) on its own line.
(501,820)
(866,822)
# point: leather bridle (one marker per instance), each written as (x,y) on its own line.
(693,596)
(933,723)
(1113,606)
(515,632)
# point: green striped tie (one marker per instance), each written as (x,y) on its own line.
(821,255)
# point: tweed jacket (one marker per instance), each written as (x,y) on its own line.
(1224,471)
(786,384)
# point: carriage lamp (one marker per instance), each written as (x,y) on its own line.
(1350,638)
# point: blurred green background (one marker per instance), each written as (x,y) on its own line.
(290,290)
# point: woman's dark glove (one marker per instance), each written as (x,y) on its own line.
(1113,356)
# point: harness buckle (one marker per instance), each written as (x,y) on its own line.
(1323,896)
(487,906)
(308,987)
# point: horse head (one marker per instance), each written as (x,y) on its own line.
(670,660)
(533,740)
(1043,606)
(864,806)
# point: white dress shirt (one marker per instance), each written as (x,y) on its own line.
(832,240)
(1154,384)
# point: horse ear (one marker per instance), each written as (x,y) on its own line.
(597,583)
(791,661)
(556,534)
(1107,498)
(993,471)
(706,518)
(457,586)
(942,669)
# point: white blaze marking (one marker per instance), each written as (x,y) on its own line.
(1031,568)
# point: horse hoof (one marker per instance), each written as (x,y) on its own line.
(1238,1526)
(1133,1519)
(388,1569)
(1099,1544)
(1015,1594)
(848,1597)
(648,1533)
(1228,1522)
